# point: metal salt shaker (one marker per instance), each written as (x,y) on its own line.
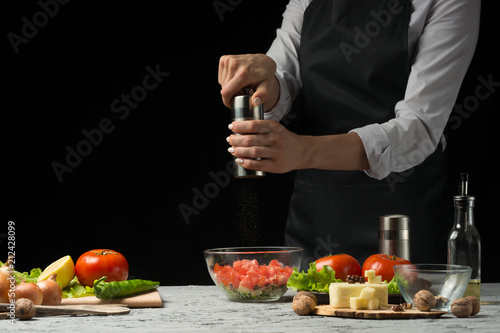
(394,235)
(242,109)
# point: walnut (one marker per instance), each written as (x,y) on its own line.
(461,307)
(25,309)
(476,305)
(304,303)
(397,308)
(406,306)
(424,300)
(440,300)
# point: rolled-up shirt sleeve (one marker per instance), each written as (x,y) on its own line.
(442,55)
(284,51)
(442,38)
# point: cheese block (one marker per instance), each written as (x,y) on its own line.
(372,278)
(357,303)
(340,293)
(372,304)
(367,293)
(370,273)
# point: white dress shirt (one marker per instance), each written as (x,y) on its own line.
(442,37)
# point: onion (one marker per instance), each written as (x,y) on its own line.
(30,291)
(7,283)
(51,290)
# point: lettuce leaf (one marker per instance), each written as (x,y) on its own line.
(312,280)
(75,289)
(32,276)
(392,287)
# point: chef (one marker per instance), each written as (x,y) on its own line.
(373,83)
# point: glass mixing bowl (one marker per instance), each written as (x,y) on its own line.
(252,274)
(445,282)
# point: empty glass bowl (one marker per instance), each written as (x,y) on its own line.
(445,282)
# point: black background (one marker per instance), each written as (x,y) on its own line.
(125,194)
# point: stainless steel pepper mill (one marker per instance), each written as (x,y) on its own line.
(242,109)
(394,235)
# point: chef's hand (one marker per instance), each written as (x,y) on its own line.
(279,149)
(256,71)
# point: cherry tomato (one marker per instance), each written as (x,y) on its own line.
(94,264)
(383,265)
(342,264)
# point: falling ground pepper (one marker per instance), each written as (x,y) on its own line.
(248,213)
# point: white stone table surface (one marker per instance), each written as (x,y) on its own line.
(206,309)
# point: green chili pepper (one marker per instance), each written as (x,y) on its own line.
(114,289)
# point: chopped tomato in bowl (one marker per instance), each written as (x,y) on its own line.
(252,274)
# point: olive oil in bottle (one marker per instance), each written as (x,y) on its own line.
(464,242)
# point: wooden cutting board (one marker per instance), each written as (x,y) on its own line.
(148,300)
(384,313)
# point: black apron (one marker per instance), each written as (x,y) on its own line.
(354,68)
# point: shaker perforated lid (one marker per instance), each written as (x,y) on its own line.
(394,222)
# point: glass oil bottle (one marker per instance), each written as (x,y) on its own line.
(464,242)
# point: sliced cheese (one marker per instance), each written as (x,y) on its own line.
(340,293)
(357,303)
(372,304)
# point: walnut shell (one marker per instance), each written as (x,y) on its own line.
(306,294)
(424,300)
(304,303)
(461,307)
(476,305)
(25,309)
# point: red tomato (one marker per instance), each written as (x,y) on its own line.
(342,264)
(94,264)
(383,265)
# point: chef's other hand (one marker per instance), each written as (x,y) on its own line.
(256,71)
(278,149)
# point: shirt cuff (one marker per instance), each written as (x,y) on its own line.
(376,143)
(283,104)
